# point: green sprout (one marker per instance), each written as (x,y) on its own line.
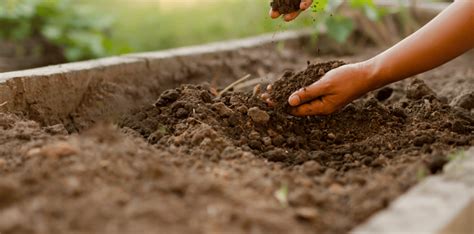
(282,195)
(421,174)
(460,154)
(341,27)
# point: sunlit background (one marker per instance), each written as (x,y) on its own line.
(41,32)
(158,24)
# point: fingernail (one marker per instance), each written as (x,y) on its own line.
(294,100)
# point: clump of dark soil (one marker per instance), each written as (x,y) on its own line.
(291,82)
(285,6)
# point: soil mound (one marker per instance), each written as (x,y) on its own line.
(373,147)
(192,116)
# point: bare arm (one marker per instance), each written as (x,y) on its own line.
(447,36)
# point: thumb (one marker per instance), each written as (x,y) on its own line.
(305,4)
(307,94)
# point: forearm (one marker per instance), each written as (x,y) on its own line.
(447,36)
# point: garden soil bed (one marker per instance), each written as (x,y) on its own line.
(193,162)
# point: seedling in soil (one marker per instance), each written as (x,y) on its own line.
(421,174)
(282,195)
(3,104)
(162,129)
(457,155)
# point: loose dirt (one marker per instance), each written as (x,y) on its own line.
(196,163)
(285,6)
(290,82)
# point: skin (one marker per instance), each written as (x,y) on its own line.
(446,37)
(305,4)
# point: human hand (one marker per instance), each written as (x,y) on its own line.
(333,91)
(305,4)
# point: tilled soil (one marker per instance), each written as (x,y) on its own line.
(197,163)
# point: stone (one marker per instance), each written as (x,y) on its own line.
(222,110)
(258,116)
(167,97)
(307,213)
(465,101)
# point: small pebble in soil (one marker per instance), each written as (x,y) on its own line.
(267,141)
(258,116)
(242,109)
(278,140)
(331,136)
(465,101)
(205,96)
(418,89)
(167,97)
(56,150)
(421,140)
(182,113)
(307,213)
(276,155)
(222,110)
(254,135)
(384,94)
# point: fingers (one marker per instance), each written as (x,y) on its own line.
(266,97)
(316,107)
(305,4)
(274,14)
(306,94)
(291,16)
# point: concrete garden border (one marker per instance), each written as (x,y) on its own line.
(104,88)
(438,205)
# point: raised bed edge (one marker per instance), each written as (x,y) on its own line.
(55,94)
(439,204)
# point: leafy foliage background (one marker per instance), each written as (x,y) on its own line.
(86,29)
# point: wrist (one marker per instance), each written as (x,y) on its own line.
(371,75)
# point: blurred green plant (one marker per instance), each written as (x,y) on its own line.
(81,33)
(89,28)
(340,27)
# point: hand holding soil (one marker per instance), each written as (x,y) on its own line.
(336,89)
(290,9)
(327,87)
(449,37)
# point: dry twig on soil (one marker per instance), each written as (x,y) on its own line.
(234,84)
